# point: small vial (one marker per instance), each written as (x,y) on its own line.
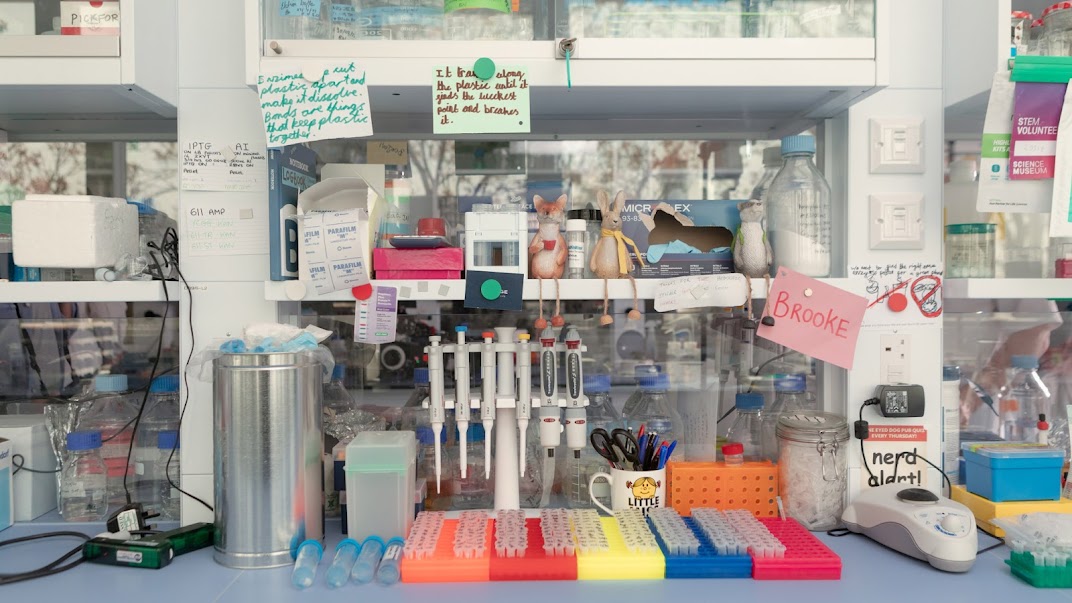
(389,573)
(734,454)
(309,554)
(575,245)
(367,560)
(343,563)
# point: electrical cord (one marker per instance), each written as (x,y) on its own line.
(18,462)
(861,429)
(50,569)
(897,460)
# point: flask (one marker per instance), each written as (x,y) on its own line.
(747,430)
(83,486)
(798,210)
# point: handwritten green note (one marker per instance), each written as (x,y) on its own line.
(503,6)
(318,102)
(466,104)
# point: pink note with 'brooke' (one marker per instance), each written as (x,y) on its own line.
(814,318)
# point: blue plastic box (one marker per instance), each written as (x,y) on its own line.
(1013,472)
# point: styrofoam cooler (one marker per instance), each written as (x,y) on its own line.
(73,231)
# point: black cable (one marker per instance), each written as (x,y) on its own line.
(1000,543)
(755,372)
(27,343)
(897,460)
(839,532)
(50,569)
(19,465)
(873,481)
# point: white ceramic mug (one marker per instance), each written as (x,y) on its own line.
(644,490)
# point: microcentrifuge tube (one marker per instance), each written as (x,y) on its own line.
(389,573)
(345,555)
(367,560)
(305,562)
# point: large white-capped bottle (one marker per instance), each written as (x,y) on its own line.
(798,210)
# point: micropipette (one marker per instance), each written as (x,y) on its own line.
(436,407)
(487,400)
(461,395)
(550,427)
(524,395)
(576,431)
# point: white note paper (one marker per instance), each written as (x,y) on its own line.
(708,290)
(331,249)
(217,165)
(302,102)
(214,229)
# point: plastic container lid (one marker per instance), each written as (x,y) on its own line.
(83,440)
(167,439)
(426,437)
(732,449)
(772,156)
(1056,7)
(749,401)
(810,427)
(589,214)
(1014,451)
(110,383)
(1023,361)
(165,384)
(461,329)
(597,383)
(791,384)
(420,375)
(576,225)
(656,382)
(1021,14)
(381,451)
(795,145)
(977,228)
(950,373)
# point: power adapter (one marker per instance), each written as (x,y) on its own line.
(132,518)
(900,400)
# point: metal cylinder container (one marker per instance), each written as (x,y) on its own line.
(268,442)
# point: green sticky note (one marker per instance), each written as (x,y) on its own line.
(465,104)
(503,6)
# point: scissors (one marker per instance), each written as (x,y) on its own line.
(625,440)
(605,446)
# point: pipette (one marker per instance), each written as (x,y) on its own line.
(487,400)
(461,395)
(576,431)
(436,406)
(524,394)
(550,426)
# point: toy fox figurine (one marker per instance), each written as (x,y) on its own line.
(610,258)
(547,251)
(752,255)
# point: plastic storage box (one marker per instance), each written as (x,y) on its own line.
(73,231)
(381,477)
(34,493)
(1003,472)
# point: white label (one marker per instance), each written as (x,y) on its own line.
(393,553)
(723,290)
(214,229)
(376,318)
(333,257)
(576,255)
(128,556)
(216,165)
(82,17)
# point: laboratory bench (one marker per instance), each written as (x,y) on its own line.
(870,572)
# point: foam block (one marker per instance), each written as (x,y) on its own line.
(72,231)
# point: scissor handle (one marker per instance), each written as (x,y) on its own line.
(603,445)
(627,443)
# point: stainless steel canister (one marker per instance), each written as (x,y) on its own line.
(268,444)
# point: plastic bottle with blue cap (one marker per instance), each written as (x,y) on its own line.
(747,430)
(798,211)
(305,563)
(790,396)
(368,560)
(161,414)
(654,409)
(343,563)
(83,483)
(167,496)
(112,412)
(1022,399)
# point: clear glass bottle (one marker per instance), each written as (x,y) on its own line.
(111,412)
(576,240)
(653,409)
(798,211)
(83,483)
(772,163)
(167,471)
(790,396)
(476,490)
(161,415)
(747,429)
(1023,398)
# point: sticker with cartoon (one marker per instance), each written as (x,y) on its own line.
(645,493)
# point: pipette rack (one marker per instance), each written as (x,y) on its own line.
(806,558)
(752,486)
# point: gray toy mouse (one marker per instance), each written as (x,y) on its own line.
(752,254)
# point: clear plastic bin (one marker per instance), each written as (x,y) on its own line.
(381,475)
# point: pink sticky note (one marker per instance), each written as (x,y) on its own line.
(814,318)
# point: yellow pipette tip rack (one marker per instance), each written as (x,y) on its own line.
(619,563)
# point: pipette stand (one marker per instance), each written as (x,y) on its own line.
(507,349)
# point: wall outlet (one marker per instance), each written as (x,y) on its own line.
(893,360)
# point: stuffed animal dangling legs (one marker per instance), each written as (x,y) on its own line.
(556,319)
(751,319)
(633,314)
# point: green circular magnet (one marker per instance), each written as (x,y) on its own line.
(491,289)
(484,68)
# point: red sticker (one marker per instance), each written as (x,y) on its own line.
(897,302)
(362,292)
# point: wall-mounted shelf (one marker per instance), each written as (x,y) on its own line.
(1007,288)
(87,291)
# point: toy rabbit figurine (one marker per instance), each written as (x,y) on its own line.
(610,258)
(752,255)
(547,251)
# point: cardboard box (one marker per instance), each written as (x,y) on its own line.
(654,222)
(34,493)
(7,507)
(291,170)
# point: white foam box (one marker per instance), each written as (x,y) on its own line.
(7,511)
(72,231)
(34,493)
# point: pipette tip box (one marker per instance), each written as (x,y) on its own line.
(618,563)
(445,566)
(1024,566)
(707,563)
(536,564)
(986,511)
(806,558)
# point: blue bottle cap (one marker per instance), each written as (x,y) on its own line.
(167,439)
(165,384)
(83,440)
(655,383)
(749,401)
(426,437)
(950,373)
(110,383)
(374,539)
(348,542)
(791,384)
(420,375)
(313,543)
(597,383)
(461,329)
(338,373)
(1024,362)
(795,145)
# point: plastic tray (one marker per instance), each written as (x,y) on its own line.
(707,564)
(618,563)
(986,511)
(751,486)
(806,558)
(444,566)
(1024,567)
(536,564)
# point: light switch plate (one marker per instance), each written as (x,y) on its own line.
(896,221)
(896,145)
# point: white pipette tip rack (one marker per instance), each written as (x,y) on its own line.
(638,537)
(675,533)
(471,537)
(423,535)
(511,534)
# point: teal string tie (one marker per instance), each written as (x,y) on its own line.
(569,78)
